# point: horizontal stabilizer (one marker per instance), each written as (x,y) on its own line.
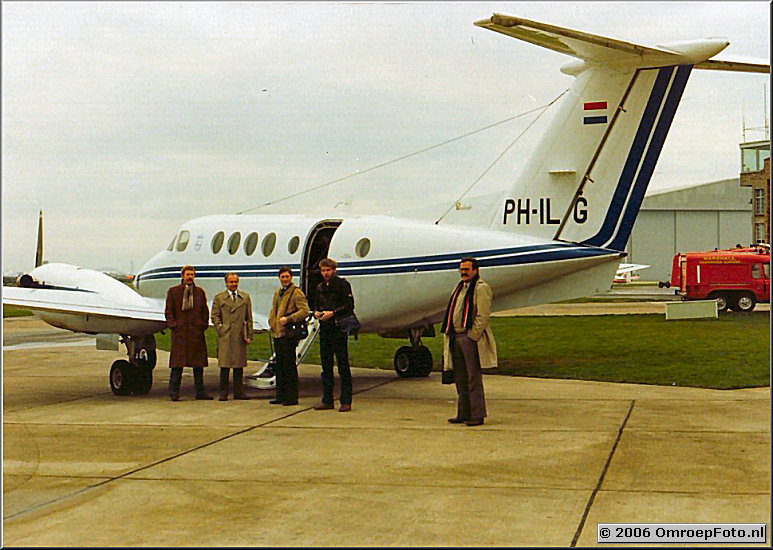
(582,45)
(738,66)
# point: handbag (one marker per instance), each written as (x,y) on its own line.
(448,377)
(348,324)
(298,330)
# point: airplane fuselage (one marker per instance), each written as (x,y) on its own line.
(402,272)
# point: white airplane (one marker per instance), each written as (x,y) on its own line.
(625,272)
(559,233)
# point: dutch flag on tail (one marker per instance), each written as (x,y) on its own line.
(594,112)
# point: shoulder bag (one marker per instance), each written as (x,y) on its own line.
(349,324)
(298,330)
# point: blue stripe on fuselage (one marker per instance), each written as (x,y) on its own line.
(440,262)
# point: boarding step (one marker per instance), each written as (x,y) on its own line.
(265,377)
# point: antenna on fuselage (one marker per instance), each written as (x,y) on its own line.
(39,251)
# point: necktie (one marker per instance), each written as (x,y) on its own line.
(233,296)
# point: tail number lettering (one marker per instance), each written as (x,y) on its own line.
(527,211)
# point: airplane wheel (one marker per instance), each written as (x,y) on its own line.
(146,356)
(143,381)
(746,302)
(404,362)
(423,358)
(121,377)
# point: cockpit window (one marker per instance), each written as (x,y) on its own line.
(182,242)
(171,245)
(217,242)
(233,242)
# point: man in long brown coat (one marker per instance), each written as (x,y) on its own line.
(232,318)
(187,316)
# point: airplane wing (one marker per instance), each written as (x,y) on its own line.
(94,312)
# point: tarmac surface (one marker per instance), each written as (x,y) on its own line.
(82,467)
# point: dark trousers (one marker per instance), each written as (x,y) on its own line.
(176,376)
(334,342)
(238,376)
(468,378)
(286,370)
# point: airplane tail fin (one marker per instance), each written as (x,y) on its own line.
(39,250)
(587,178)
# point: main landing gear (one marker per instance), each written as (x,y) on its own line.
(134,376)
(413,361)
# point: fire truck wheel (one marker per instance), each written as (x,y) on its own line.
(722,301)
(746,302)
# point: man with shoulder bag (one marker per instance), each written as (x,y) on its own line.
(288,312)
(334,304)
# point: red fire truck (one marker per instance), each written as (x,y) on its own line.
(737,279)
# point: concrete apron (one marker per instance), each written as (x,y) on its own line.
(85,468)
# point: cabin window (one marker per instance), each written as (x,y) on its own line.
(292,246)
(269,242)
(756,271)
(171,245)
(182,242)
(362,247)
(233,242)
(766,270)
(217,242)
(250,243)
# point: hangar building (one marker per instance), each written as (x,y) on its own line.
(701,217)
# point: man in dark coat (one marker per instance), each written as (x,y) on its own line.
(334,300)
(187,316)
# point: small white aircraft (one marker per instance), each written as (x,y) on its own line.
(625,272)
(559,233)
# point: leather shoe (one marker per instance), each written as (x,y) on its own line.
(456,420)
(290,404)
(344,408)
(323,406)
(240,397)
(174,397)
(204,397)
(474,422)
(276,402)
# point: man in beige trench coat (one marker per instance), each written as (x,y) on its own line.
(232,318)
(468,343)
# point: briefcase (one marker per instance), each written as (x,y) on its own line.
(448,377)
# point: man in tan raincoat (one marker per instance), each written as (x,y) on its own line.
(469,344)
(232,318)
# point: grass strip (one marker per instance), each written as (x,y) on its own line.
(730,352)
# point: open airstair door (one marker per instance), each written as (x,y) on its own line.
(316,248)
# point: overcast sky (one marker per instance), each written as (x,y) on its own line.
(121,121)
